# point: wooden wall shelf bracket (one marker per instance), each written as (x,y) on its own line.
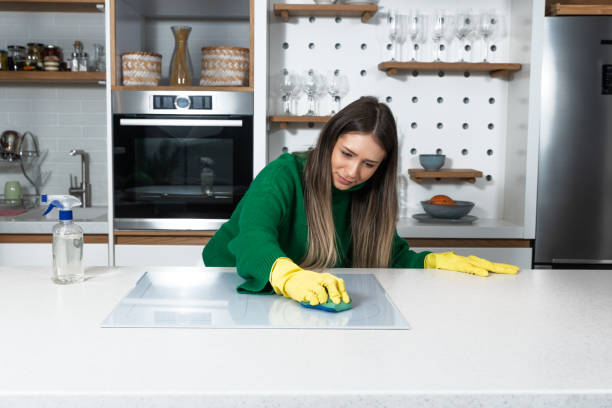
(364,11)
(284,121)
(467,175)
(494,69)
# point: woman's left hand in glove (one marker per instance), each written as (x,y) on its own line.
(450,261)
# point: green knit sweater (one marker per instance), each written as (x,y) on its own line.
(270,222)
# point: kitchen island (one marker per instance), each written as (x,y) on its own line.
(539,338)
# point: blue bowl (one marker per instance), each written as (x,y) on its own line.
(432,162)
(460,209)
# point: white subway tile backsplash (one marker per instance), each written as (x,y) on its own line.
(93,106)
(41,32)
(33,118)
(98,132)
(89,145)
(15,105)
(79,19)
(81,118)
(30,92)
(82,93)
(52,106)
(48,132)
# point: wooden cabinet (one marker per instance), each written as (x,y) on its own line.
(139,25)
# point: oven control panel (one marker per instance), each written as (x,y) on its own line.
(173,102)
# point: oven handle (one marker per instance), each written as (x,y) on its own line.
(180,122)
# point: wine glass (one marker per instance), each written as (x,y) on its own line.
(312,85)
(438,32)
(288,85)
(402,34)
(488,24)
(416,31)
(465,25)
(393,29)
(337,87)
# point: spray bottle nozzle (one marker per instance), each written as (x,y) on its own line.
(62,202)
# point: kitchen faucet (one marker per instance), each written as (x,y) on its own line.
(84,190)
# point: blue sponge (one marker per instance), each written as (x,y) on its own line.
(329,306)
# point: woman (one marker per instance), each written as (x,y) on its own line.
(335,206)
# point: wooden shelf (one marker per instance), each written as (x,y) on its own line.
(284,121)
(184,88)
(494,69)
(365,11)
(78,6)
(52,77)
(467,175)
(560,9)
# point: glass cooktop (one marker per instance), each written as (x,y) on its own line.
(203,299)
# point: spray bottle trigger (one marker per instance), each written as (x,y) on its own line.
(51,207)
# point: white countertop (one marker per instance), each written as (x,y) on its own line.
(93,220)
(540,338)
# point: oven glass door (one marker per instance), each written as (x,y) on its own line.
(181,167)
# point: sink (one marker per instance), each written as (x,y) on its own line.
(79,214)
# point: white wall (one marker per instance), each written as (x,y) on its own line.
(63,117)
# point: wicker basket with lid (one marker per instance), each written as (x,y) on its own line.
(225,66)
(141,68)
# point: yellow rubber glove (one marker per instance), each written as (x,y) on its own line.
(290,280)
(450,261)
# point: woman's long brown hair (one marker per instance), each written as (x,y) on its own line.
(373,207)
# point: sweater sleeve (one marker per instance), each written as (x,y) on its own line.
(404,257)
(264,208)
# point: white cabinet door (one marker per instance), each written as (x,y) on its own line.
(520,257)
(41,255)
(158,255)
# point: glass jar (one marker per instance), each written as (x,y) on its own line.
(51,58)
(84,62)
(34,60)
(3,60)
(16,57)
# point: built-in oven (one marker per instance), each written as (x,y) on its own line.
(182,160)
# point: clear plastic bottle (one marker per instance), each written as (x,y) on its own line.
(67,241)
(67,253)
(207,176)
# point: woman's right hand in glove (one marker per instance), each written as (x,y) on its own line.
(290,280)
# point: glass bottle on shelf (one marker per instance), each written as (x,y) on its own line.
(16,57)
(207,176)
(75,57)
(180,64)
(100,58)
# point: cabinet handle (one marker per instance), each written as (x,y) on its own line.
(180,122)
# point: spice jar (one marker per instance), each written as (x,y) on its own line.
(51,58)
(16,57)
(3,60)
(34,59)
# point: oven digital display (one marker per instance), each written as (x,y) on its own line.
(172,102)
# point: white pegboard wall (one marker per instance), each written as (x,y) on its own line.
(463,116)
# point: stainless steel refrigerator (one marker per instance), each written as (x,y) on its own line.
(574,204)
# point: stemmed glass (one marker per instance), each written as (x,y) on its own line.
(290,84)
(402,34)
(415,27)
(488,24)
(337,87)
(392,19)
(438,32)
(312,85)
(465,26)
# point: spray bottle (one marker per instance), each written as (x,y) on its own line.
(67,240)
